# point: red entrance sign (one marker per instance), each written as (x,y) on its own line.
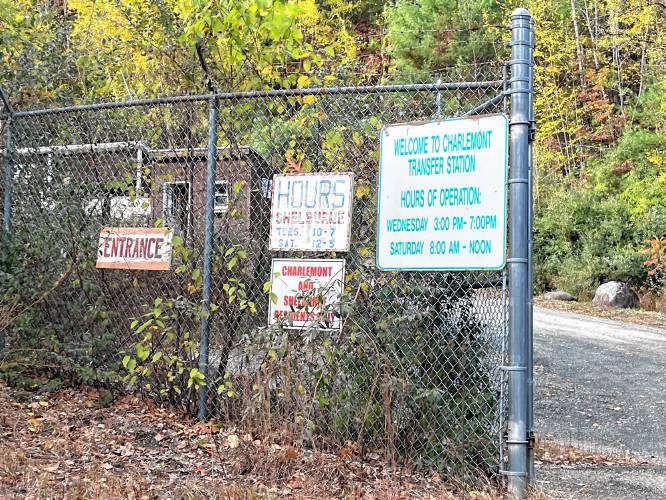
(135,248)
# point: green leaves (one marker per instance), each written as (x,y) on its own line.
(129,363)
(253,33)
(144,326)
(142,352)
(196,378)
(165,353)
(254,41)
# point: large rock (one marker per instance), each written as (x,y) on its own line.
(616,294)
(558,295)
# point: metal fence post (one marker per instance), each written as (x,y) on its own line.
(521,42)
(530,281)
(7,202)
(8,180)
(208,254)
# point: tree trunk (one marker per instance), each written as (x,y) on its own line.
(593,35)
(579,48)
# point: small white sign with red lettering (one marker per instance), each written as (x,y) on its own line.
(305,292)
(311,212)
(135,248)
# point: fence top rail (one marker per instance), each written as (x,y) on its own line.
(169,153)
(315,91)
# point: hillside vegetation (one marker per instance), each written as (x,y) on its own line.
(600,189)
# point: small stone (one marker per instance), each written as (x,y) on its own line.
(559,295)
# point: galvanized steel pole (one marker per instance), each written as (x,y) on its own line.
(7,202)
(208,255)
(8,180)
(530,281)
(518,261)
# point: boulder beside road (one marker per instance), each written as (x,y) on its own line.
(558,295)
(616,294)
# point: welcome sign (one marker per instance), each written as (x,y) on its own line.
(442,194)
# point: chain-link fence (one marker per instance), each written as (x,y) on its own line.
(415,372)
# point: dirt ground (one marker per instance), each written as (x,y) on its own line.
(66,445)
(636,316)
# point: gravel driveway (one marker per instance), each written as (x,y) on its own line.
(601,385)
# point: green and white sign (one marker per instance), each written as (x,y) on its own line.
(442,194)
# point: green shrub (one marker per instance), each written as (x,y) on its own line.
(593,230)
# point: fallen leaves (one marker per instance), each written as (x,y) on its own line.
(296,482)
(348,451)
(548,452)
(35,424)
(346,454)
(231,441)
(290,453)
(133,449)
(636,316)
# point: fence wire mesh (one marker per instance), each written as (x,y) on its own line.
(414,375)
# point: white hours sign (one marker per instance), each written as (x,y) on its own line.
(311,212)
(442,194)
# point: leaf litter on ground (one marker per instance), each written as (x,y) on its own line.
(66,445)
